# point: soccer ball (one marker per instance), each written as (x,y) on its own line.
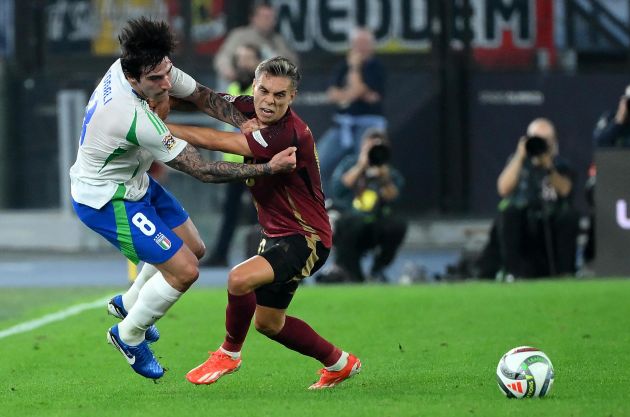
(525,372)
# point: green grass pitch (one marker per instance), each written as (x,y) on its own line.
(427,350)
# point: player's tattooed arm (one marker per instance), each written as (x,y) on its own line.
(215,106)
(182,105)
(190,161)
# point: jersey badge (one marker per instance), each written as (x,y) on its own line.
(162,241)
(168,142)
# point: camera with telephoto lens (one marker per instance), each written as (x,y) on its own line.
(378,155)
(536,146)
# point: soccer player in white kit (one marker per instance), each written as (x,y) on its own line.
(113,195)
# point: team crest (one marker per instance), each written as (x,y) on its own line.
(168,141)
(162,241)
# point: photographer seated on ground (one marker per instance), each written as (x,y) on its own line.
(363,190)
(537,227)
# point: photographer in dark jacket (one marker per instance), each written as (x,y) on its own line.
(537,226)
(363,190)
(613,129)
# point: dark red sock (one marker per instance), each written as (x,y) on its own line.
(238,316)
(300,337)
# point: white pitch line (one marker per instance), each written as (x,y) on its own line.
(50,318)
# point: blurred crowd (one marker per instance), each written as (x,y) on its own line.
(537,226)
(537,229)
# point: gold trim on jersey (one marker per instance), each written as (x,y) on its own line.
(298,216)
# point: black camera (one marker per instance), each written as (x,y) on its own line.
(378,155)
(536,146)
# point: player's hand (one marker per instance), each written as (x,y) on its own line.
(252,125)
(284,161)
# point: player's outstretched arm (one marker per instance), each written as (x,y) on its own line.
(181,105)
(190,161)
(215,140)
(215,106)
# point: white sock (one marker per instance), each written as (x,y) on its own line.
(233,355)
(339,365)
(129,298)
(154,300)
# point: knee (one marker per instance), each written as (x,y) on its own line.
(238,282)
(186,275)
(199,249)
(269,328)
(190,272)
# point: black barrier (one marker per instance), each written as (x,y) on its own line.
(612,212)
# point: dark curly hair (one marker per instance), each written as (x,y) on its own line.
(144,45)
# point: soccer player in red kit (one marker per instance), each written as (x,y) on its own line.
(297,233)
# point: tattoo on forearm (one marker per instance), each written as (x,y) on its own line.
(182,105)
(214,105)
(191,162)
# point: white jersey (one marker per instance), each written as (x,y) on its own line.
(121,137)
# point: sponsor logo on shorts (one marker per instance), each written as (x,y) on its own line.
(259,138)
(162,241)
(168,142)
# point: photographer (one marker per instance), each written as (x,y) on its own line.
(537,227)
(613,129)
(363,190)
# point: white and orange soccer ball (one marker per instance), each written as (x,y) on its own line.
(525,372)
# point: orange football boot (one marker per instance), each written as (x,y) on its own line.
(329,379)
(217,365)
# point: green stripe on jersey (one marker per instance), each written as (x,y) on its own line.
(161,123)
(157,123)
(117,152)
(123,230)
(131,135)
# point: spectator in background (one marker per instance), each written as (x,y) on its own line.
(245,60)
(260,33)
(363,190)
(357,89)
(613,129)
(537,226)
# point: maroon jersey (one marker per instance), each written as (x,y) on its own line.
(291,203)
